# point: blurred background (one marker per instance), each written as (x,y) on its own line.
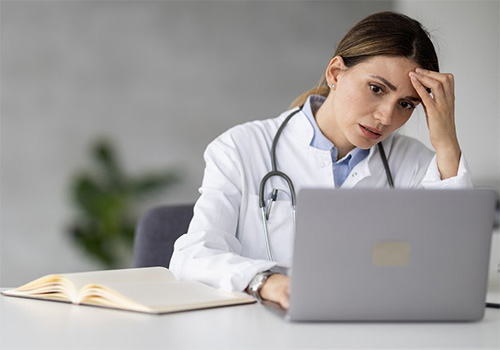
(107,106)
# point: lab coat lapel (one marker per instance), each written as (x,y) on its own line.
(370,167)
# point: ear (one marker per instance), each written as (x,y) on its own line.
(334,68)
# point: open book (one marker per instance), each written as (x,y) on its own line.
(150,289)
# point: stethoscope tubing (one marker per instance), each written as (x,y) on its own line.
(276,173)
(386,165)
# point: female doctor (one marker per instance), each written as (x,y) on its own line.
(382,69)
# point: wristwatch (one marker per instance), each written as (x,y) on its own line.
(257,282)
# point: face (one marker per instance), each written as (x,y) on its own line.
(369,101)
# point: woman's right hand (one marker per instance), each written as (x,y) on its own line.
(277,289)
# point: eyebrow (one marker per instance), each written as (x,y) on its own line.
(394,88)
(411,98)
(385,81)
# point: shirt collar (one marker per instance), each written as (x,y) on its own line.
(319,140)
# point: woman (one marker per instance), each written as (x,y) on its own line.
(382,69)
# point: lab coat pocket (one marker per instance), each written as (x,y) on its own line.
(280,228)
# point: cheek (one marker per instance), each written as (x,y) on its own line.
(355,102)
(356,95)
(399,121)
(403,119)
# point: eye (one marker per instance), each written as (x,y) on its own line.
(406,105)
(376,89)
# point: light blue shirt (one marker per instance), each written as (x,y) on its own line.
(342,167)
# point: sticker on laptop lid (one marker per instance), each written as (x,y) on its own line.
(390,253)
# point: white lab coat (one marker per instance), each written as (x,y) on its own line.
(225,245)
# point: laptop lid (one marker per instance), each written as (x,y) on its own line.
(391,255)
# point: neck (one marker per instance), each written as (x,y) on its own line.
(328,125)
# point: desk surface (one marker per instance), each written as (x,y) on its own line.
(28,324)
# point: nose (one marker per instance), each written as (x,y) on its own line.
(385,113)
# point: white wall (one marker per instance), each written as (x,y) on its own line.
(466,35)
(162,79)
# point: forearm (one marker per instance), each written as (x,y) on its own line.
(205,257)
(448,159)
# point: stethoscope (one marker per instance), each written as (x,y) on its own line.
(266,208)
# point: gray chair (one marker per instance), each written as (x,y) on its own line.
(156,232)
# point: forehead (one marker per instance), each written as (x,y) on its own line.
(394,69)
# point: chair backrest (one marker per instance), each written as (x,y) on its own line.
(156,232)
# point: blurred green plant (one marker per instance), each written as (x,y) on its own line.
(106,200)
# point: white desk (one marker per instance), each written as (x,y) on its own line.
(35,324)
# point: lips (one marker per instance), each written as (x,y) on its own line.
(370,133)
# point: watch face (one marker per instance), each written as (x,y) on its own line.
(256,282)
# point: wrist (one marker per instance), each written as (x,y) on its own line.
(448,160)
(257,283)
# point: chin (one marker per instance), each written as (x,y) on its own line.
(365,144)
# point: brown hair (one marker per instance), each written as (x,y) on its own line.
(383,33)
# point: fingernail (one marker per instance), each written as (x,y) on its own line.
(420,70)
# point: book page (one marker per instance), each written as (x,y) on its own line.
(163,297)
(107,277)
(51,287)
(95,294)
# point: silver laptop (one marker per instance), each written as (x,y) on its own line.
(391,255)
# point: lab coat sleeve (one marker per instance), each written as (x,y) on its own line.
(432,178)
(210,252)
